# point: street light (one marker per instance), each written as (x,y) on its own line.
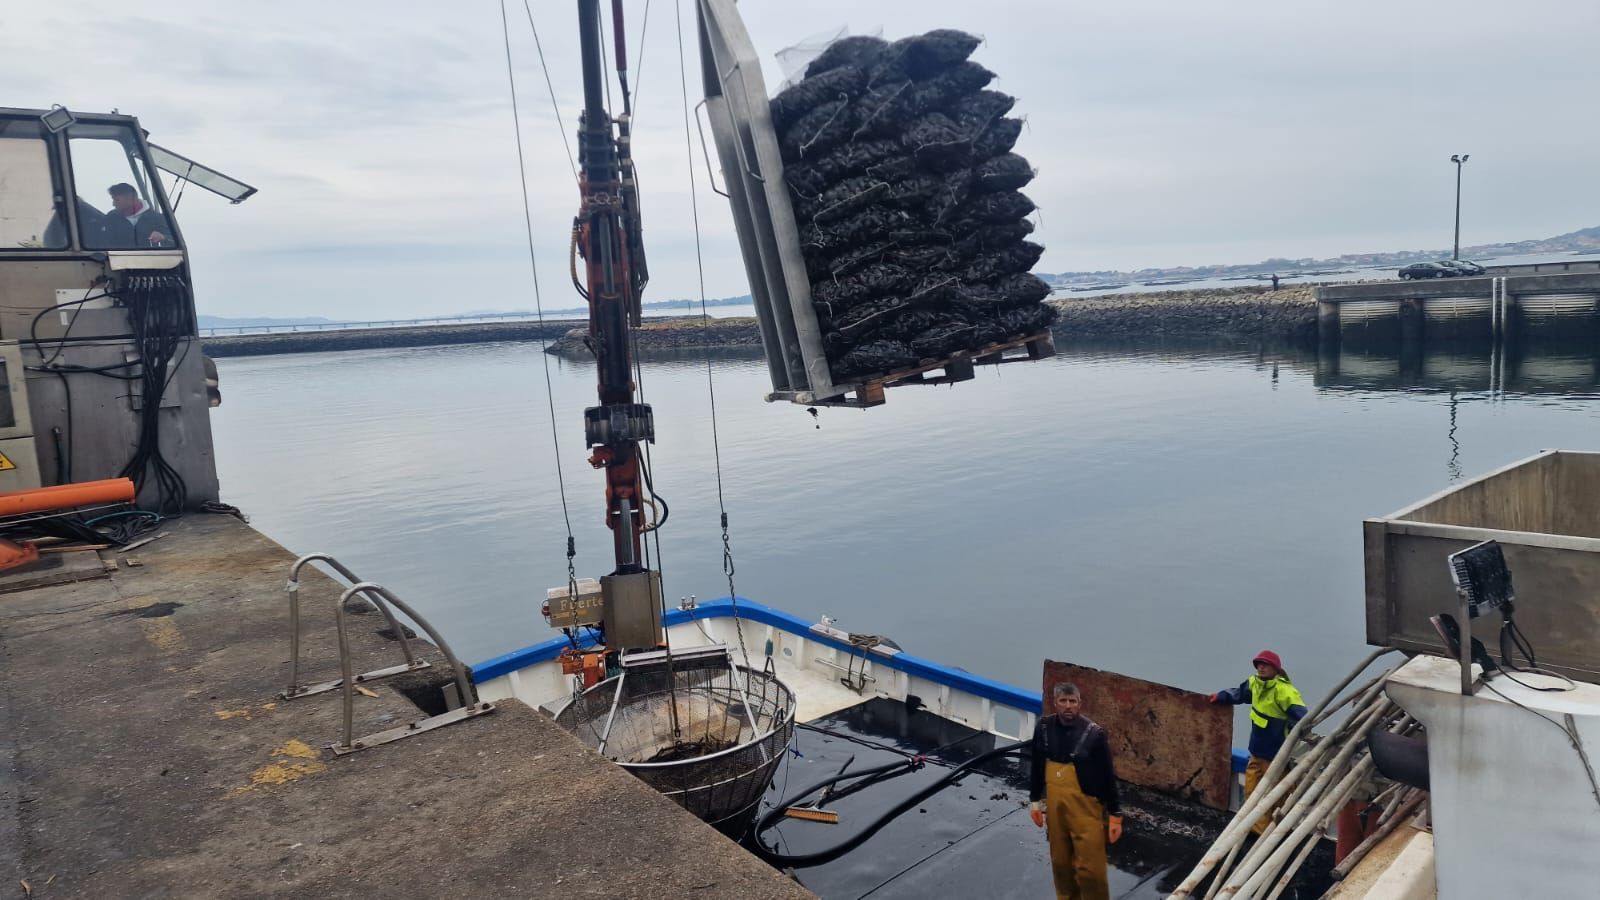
(1460,160)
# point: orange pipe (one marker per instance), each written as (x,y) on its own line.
(66,496)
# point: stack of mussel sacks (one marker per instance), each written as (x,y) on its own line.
(907,196)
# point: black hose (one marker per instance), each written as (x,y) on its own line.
(874,774)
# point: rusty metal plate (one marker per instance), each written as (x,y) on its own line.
(1162,737)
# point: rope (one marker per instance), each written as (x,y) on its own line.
(548,84)
(538,302)
(705,324)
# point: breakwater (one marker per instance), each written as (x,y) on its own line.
(218,346)
(1287,315)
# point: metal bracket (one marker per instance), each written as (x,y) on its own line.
(364,677)
(418,727)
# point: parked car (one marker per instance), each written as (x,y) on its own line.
(1462,266)
(1427,270)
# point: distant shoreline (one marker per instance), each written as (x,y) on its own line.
(1258,312)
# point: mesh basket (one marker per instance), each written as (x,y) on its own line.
(705,733)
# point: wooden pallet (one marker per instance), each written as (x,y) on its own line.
(956,367)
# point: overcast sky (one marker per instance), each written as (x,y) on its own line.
(1165,133)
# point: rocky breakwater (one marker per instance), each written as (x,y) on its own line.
(217,346)
(676,333)
(1288,314)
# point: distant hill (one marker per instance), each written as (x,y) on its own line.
(1580,240)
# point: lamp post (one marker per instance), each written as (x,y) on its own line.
(1460,159)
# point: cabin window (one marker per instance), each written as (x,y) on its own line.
(30,216)
(118,208)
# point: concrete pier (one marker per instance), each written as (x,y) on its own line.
(144,752)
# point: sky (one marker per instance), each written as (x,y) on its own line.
(1165,132)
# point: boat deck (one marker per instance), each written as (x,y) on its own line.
(973,839)
(144,752)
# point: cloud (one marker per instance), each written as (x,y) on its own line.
(1165,133)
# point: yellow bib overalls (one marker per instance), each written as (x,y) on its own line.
(1076,826)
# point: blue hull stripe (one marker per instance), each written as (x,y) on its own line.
(986,688)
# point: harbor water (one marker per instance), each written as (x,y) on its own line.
(1162,511)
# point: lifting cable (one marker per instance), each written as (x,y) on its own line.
(538,303)
(549,85)
(705,324)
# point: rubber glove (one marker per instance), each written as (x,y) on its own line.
(1215,698)
(1114,829)
(1036,812)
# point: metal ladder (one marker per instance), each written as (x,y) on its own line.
(383,599)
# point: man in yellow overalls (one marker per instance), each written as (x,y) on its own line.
(1073,789)
(1275,705)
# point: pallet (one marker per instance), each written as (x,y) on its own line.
(952,369)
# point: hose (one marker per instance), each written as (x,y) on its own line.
(872,776)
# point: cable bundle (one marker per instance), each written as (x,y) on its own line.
(157,316)
(899,165)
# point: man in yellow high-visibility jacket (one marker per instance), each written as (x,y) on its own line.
(1073,788)
(1275,705)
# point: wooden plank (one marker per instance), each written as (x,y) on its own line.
(812,815)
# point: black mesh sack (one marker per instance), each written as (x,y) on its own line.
(1020,289)
(925,55)
(895,168)
(867,283)
(1022,321)
(942,340)
(861,51)
(911,193)
(852,259)
(872,223)
(996,264)
(844,199)
(945,201)
(1007,172)
(998,138)
(922,257)
(937,142)
(843,83)
(986,238)
(874,358)
(887,107)
(996,209)
(818,131)
(974,112)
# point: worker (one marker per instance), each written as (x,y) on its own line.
(1275,704)
(131,223)
(1073,793)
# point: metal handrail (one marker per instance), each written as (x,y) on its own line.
(468,697)
(296,689)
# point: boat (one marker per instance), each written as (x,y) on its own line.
(677,720)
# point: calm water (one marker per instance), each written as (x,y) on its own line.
(1162,512)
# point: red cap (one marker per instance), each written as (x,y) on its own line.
(1270,658)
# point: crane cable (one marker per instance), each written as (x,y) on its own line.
(538,302)
(705,324)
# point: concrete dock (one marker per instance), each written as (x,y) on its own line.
(145,752)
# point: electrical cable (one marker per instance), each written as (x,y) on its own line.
(873,775)
(1569,729)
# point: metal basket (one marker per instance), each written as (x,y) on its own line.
(704,732)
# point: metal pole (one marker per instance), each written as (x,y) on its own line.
(1456,253)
